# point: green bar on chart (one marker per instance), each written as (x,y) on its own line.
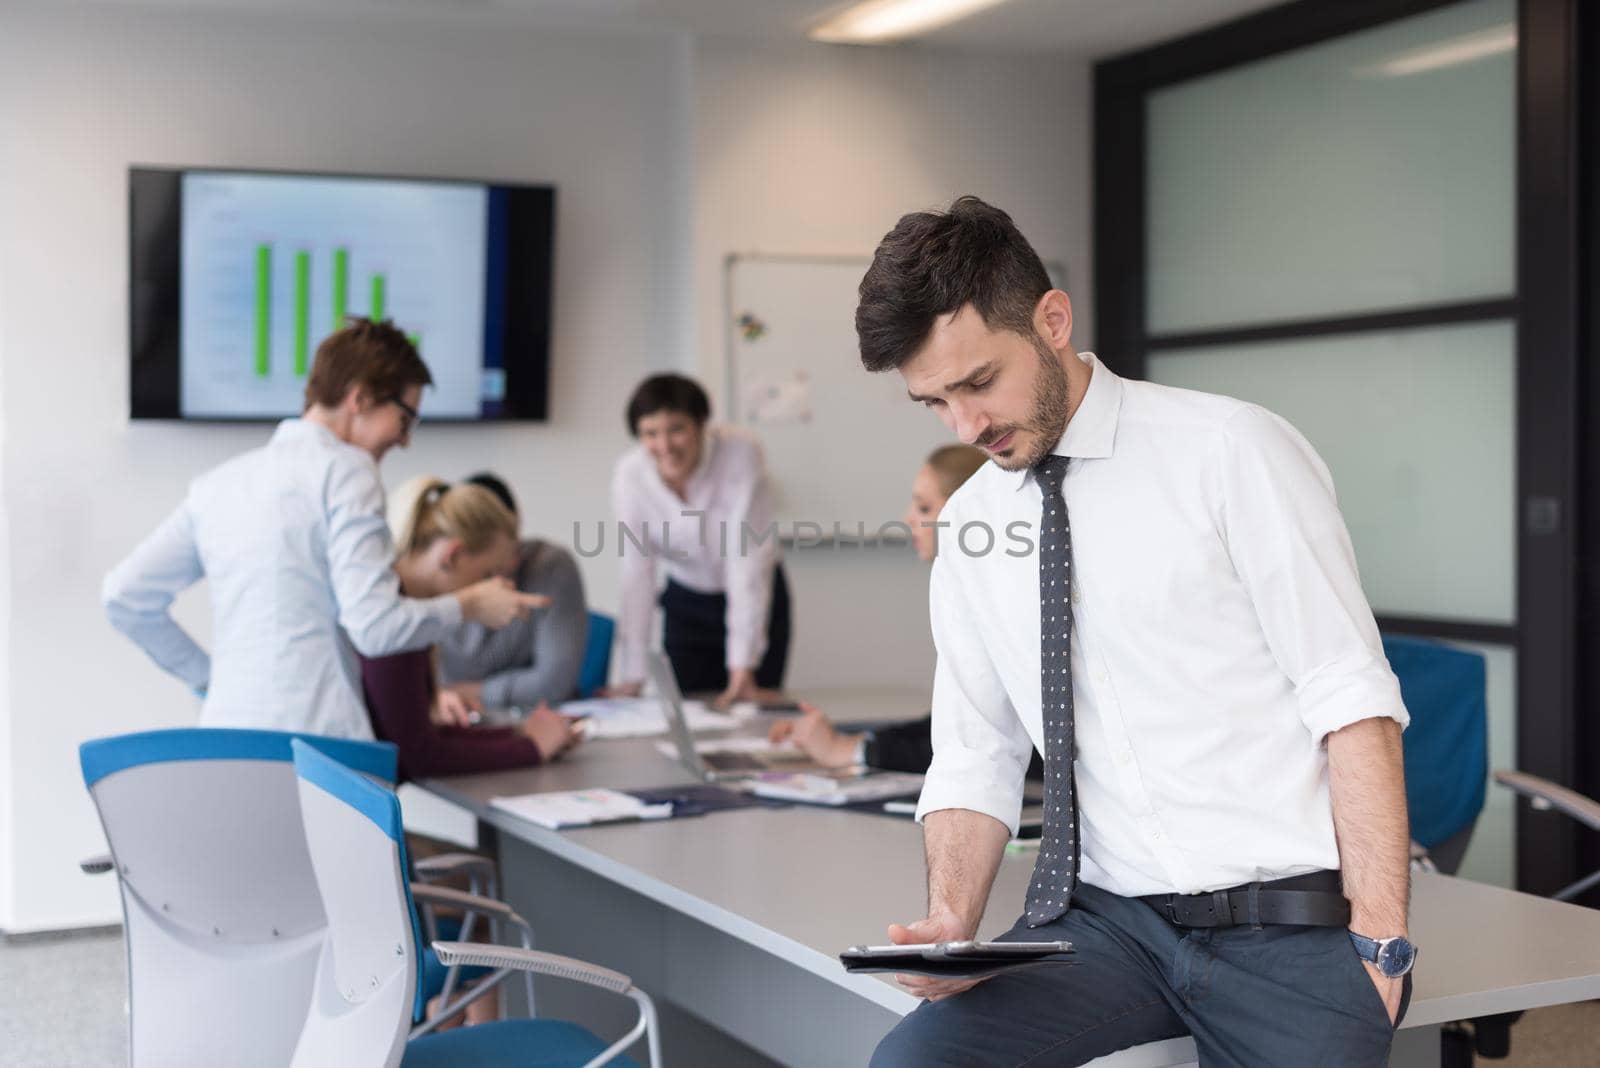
(263,310)
(377,297)
(302,312)
(341,286)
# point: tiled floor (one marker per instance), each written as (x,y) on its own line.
(62,1001)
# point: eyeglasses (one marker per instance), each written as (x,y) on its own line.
(412,416)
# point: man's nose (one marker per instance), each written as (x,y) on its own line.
(969,423)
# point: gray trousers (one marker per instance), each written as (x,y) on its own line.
(1252,997)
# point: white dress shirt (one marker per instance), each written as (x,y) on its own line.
(1219,634)
(292,539)
(699,542)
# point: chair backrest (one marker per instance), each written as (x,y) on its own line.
(367,992)
(596,654)
(1447,744)
(221,915)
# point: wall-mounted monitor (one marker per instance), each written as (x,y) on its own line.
(237,275)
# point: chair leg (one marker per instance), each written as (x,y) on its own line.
(1455,1047)
(1491,1035)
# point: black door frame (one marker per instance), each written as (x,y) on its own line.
(1546,309)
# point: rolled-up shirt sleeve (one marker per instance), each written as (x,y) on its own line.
(372,611)
(138,595)
(1290,547)
(980,747)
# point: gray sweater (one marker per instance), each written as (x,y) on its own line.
(534,659)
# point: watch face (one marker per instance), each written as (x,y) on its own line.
(1396,957)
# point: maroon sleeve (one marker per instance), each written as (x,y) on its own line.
(399,691)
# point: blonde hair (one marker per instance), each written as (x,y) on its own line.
(426,508)
(954,464)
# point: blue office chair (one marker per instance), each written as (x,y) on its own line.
(596,654)
(222,920)
(1446,745)
(221,914)
(366,996)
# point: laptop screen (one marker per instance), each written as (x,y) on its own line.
(666,685)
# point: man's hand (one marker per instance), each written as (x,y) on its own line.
(495,602)
(550,732)
(944,927)
(816,737)
(1388,989)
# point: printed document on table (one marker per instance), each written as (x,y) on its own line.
(641,717)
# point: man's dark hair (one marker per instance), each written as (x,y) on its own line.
(373,354)
(497,486)
(668,393)
(935,262)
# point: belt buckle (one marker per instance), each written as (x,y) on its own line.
(1172,910)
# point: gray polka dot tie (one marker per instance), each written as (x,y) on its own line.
(1056,874)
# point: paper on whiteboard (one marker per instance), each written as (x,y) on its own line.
(779,400)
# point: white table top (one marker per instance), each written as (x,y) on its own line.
(803,883)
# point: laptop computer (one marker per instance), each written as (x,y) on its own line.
(714,766)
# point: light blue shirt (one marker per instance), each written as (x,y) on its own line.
(293,540)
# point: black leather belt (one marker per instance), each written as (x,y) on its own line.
(1315,899)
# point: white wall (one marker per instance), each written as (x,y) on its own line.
(818,150)
(667,154)
(84,92)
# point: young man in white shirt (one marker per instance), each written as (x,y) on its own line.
(293,539)
(1226,841)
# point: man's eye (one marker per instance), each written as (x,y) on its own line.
(979,387)
(932,402)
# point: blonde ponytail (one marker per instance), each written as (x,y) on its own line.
(954,464)
(426,508)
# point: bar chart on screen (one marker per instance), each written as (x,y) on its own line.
(273,264)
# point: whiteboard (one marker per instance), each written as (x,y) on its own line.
(842,445)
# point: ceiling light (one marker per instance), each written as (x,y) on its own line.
(883,21)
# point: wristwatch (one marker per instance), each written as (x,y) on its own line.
(1393,956)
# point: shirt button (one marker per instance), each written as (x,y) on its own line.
(1076,596)
(1156,834)
(1099,675)
(1125,757)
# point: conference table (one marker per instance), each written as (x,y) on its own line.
(733,920)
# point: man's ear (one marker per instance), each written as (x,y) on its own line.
(1052,318)
(357,399)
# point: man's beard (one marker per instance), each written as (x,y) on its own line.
(1048,420)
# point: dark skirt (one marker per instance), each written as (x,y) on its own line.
(695,638)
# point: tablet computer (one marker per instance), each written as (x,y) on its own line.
(968,959)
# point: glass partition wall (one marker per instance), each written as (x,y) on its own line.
(1317,209)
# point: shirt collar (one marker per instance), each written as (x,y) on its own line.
(708,449)
(1092,431)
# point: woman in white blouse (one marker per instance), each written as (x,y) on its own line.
(693,500)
